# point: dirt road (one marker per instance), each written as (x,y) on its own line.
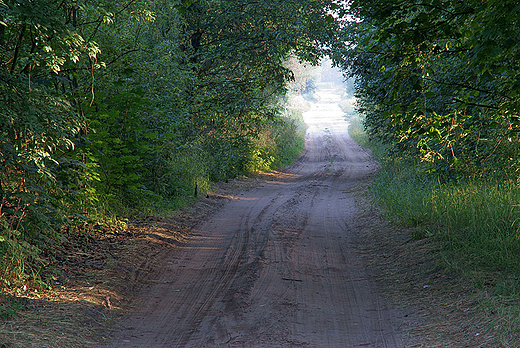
(275,267)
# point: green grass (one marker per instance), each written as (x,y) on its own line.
(477,222)
(477,219)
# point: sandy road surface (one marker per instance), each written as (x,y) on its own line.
(275,267)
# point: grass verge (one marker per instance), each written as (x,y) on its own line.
(475,223)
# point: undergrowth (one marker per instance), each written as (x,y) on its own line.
(477,222)
(9,306)
(185,175)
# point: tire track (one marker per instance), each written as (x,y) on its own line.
(276,266)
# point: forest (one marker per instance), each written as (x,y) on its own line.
(438,85)
(108,109)
(440,80)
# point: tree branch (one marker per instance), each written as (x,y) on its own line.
(17,49)
(466,86)
(122,55)
(476,104)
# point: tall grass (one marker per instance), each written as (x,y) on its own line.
(279,143)
(481,219)
(478,220)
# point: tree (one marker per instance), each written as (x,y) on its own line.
(134,102)
(439,80)
(236,51)
(38,123)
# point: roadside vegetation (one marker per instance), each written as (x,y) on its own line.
(438,97)
(110,111)
(114,110)
(474,220)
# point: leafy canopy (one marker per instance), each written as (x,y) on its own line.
(440,80)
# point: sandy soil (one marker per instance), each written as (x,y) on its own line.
(276,265)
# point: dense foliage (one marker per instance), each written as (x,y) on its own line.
(440,80)
(131,103)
